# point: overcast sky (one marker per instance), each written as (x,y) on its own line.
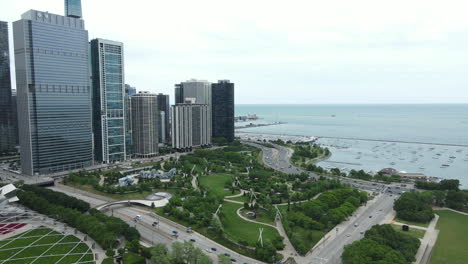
(296,52)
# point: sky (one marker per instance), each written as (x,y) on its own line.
(287,52)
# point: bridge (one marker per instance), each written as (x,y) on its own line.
(157,203)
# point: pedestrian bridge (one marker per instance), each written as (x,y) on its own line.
(157,203)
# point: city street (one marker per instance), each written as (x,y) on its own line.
(163,232)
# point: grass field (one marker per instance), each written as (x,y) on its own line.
(410,223)
(241,230)
(216,184)
(44,246)
(261,216)
(132,258)
(417,233)
(452,244)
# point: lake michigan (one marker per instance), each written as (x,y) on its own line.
(440,133)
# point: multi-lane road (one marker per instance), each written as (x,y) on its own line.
(156,229)
(377,211)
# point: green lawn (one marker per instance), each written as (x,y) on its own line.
(132,258)
(417,233)
(410,222)
(452,244)
(30,245)
(216,183)
(241,199)
(241,230)
(261,216)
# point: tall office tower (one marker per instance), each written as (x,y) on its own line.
(73,8)
(222,110)
(14,115)
(164,112)
(7,135)
(198,89)
(54,95)
(190,125)
(107,68)
(145,117)
(129,91)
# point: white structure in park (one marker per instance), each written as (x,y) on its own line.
(158,174)
(129,180)
(7,195)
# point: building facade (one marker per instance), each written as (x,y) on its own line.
(164,112)
(222,110)
(7,129)
(145,116)
(129,91)
(107,68)
(53,91)
(73,8)
(199,90)
(191,125)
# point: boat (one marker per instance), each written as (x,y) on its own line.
(452,157)
(444,166)
(392,163)
(421,168)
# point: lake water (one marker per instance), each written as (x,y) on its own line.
(443,129)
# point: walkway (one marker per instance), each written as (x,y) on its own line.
(450,209)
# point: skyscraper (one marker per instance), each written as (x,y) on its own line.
(54,95)
(129,91)
(145,117)
(164,112)
(198,89)
(7,133)
(73,8)
(107,68)
(190,125)
(222,110)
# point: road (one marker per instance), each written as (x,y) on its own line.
(161,232)
(330,248)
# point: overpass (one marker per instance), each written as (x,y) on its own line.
(145,202)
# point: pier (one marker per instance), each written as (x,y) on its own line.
(260,125)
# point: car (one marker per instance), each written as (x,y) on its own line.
(362,233)
(208,250)
(154,223)
(233,260)
(227,254)
(213,249)
(174,232)
(370,216)
(355,224)
(348,235)
(192,240)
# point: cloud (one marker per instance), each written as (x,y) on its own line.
(335,51)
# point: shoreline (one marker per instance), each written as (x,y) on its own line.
(359,139)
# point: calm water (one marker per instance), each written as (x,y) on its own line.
(433,124)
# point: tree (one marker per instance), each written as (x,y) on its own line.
(367,251)
(160,254)
(110,252)
(222,259)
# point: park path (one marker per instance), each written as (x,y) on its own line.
(427,242)
(450,209)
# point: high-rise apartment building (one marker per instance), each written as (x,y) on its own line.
(14,115)
(7,131)
(73,8)
(107,68)
(145,116)
(164,113)
(54,95)
(193,89)
(222,109)
(191,125)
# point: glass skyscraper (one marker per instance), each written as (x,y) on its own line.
(145,116)
(53,92)
(73,8)
(164,112)
(7,131)
(222,110)
(108,84)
